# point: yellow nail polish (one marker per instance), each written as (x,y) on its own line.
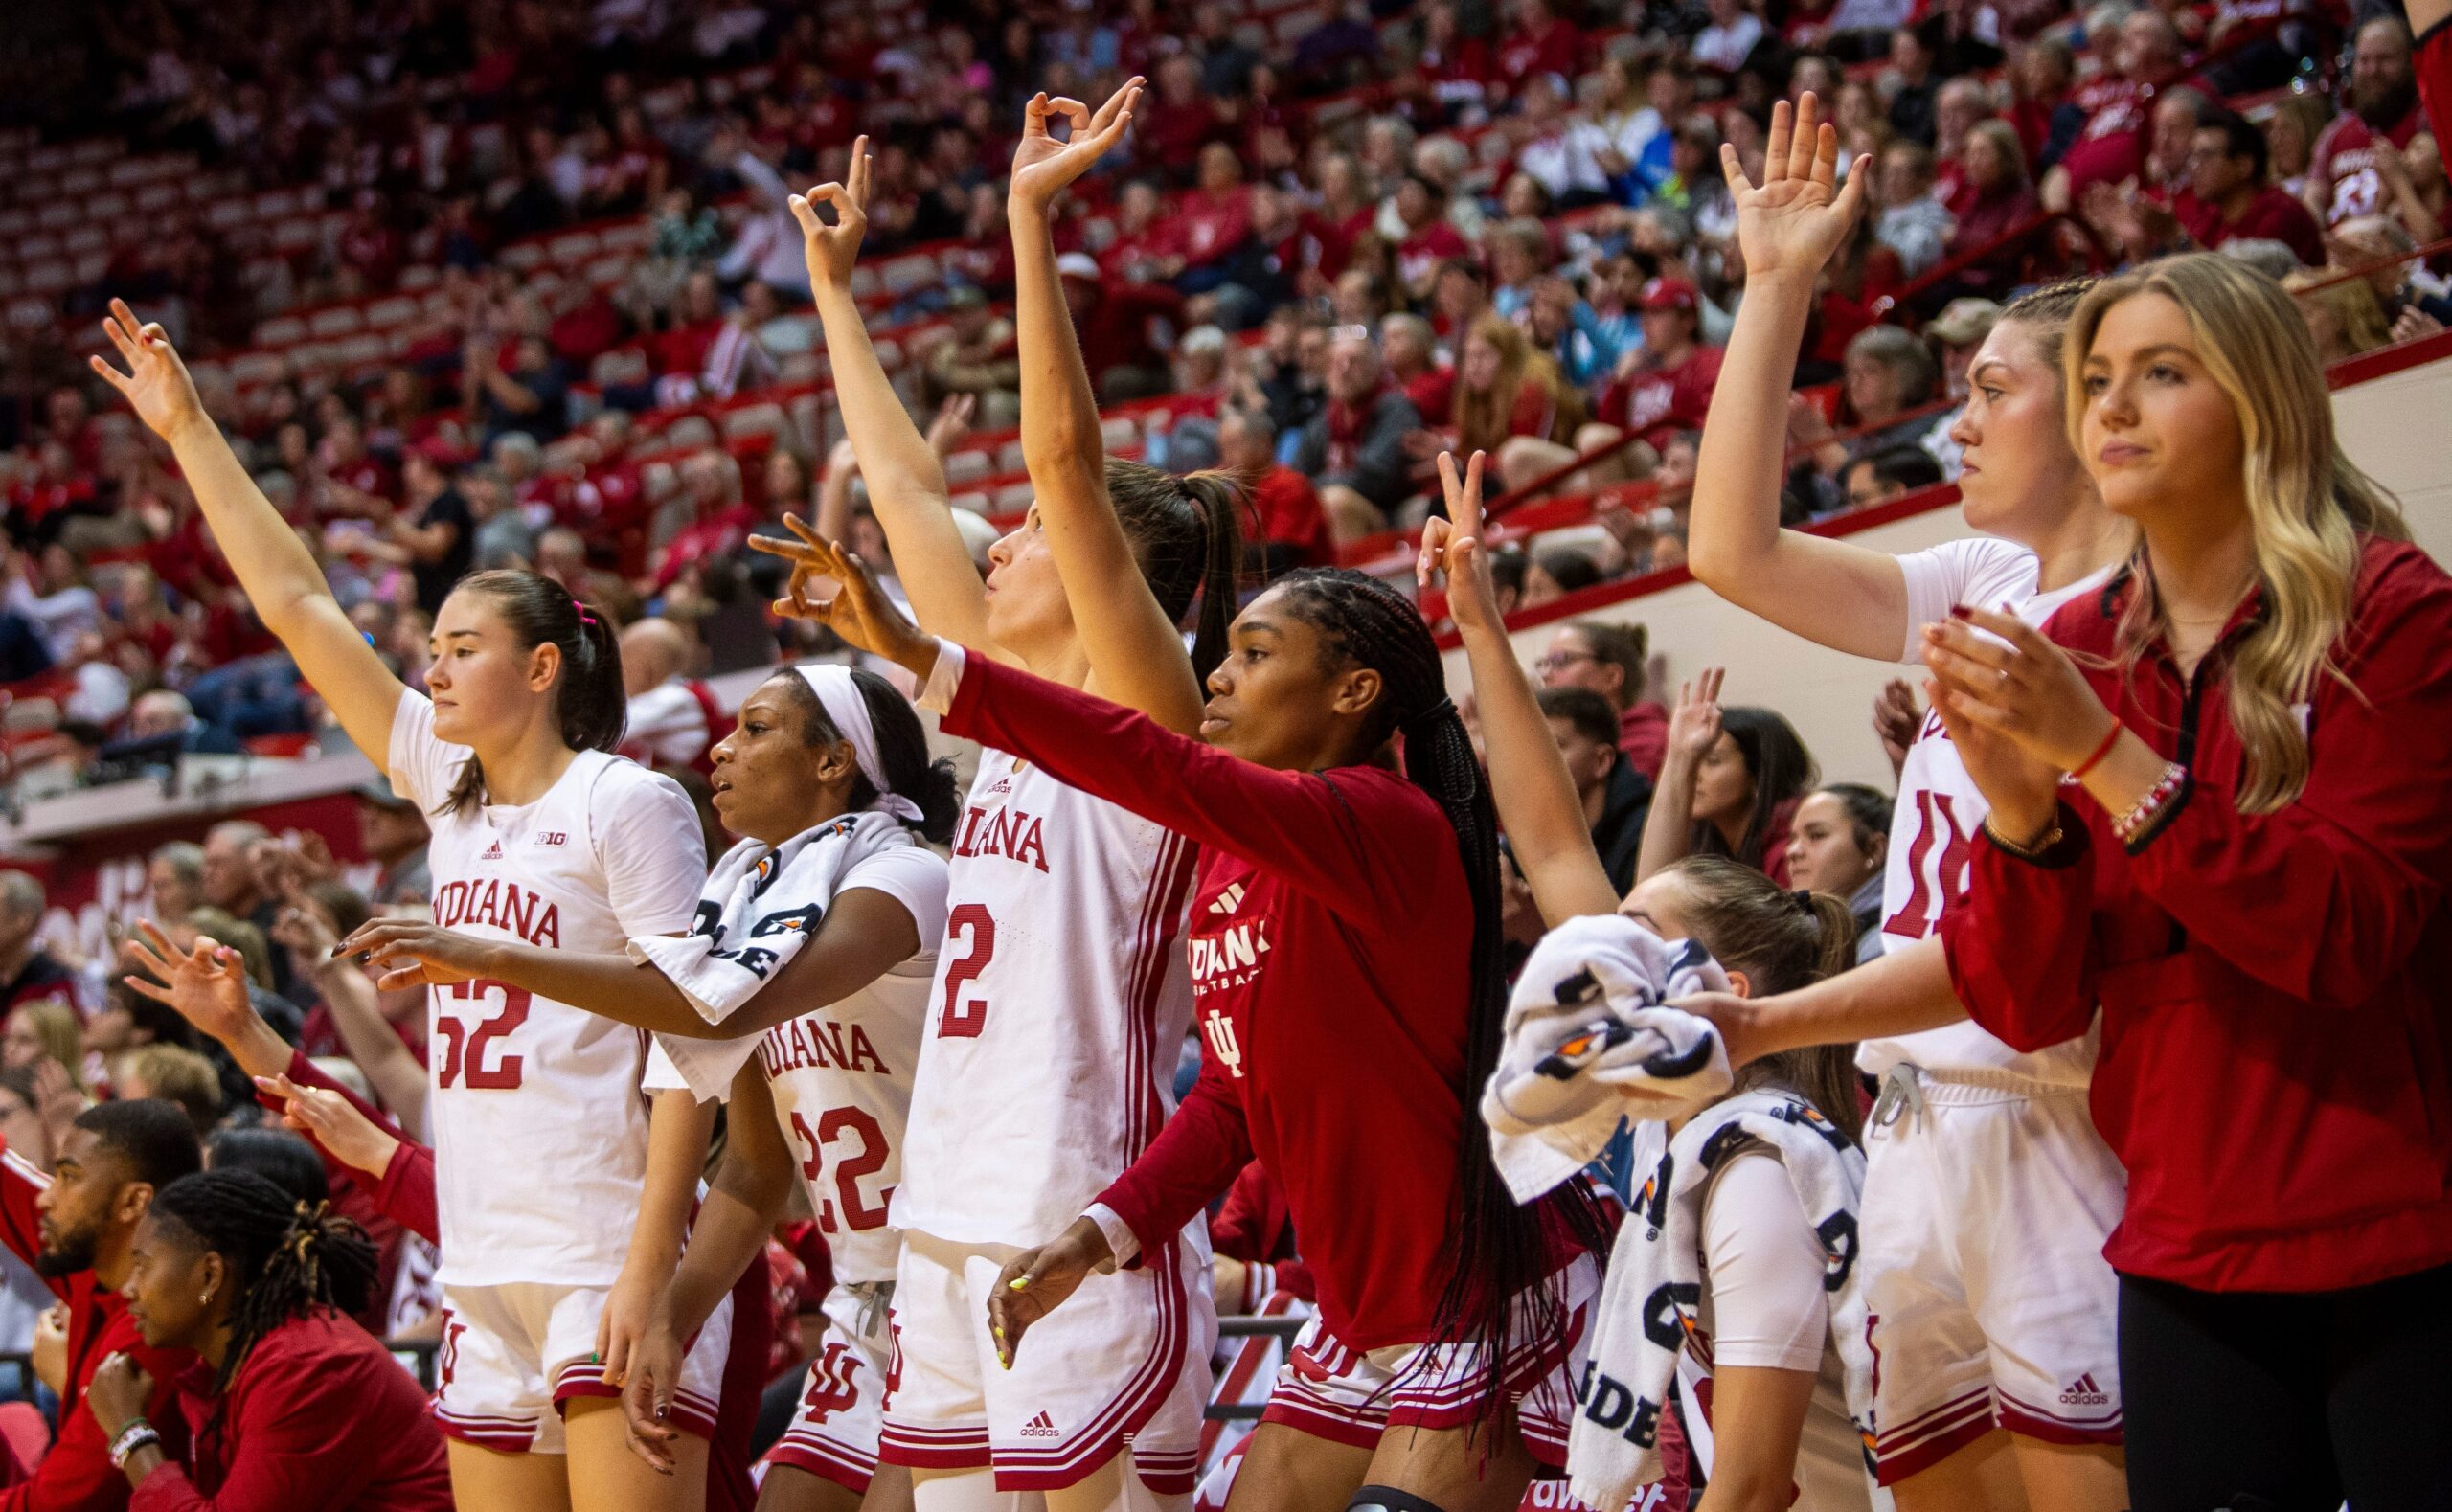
(1019,1283)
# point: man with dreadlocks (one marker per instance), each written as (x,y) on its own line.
(1347,916)
(291,1405)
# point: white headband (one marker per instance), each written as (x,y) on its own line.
(846,709)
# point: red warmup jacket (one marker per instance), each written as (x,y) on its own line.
(1330,941)
(320,1416)
(405,1195)
(2276,1068)
(76,1475)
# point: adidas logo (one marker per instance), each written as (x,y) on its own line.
(493,853)
(1228,901)
(1040,1427)
(2084,1393)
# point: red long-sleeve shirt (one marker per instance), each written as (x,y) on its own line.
(1330,943)
(76,1475)
(320,1417)
(2276,1069)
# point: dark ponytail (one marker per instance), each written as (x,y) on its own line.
(1499,1250)
(1782,941)
(287,1257)
(902,750)
(589,700)
(1187,534)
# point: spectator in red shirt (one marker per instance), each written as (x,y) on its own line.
(2251,893)
(2111,145)
(1666,386)
(1112,320)
(1289,530)
(1147,245)
(2229,200)
(291,1404)
(1537,42)
(1411,349)
(1613,661)
(1430,237)
(1211,220)
(1182,122)
(2343,179)
(76,1227)
(1993,196)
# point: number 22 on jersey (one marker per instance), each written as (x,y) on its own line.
(847,1209)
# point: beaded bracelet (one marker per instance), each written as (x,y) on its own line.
(134,1436)
(2127,826)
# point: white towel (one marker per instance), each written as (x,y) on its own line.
(1649,1298)
(1588,1044)
(758,908)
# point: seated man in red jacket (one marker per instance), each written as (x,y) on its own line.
(1112,320)
(73,1228)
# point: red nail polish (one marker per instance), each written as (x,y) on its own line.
(1958,611)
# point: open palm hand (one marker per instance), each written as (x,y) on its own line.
(1799,215)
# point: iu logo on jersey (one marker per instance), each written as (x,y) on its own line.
(1220,1029)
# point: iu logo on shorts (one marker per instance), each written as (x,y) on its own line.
(832,1387)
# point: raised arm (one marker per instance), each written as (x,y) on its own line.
(1536,798)
(1136,657)
(1844,596)
(905,476)
(1694,726)
(864,934)
(398,1077)
(279,575)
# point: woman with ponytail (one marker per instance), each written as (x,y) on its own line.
(1344,952)
(543,837)
(1059,989)
(291,1405)
(1777,1413)
(2218,811)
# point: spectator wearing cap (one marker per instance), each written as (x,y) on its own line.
(1113,322)
(391,831)
(1616,798)
(1666,386)
(1610,660)
(1957,332)
(1354,451)
(1290,528)
(980,358)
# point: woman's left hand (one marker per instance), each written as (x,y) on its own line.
(2027,690)
(119,1393)
(406,953)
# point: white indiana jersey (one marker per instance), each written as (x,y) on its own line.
(1940,811)
(841,1077)
(540,1124)
(1060,1000)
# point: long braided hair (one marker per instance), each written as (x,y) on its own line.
(286,1256)
(1496,1248)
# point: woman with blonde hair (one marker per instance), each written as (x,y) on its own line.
(2218,812)
(2342,315)
(1511,401)
(45,1028)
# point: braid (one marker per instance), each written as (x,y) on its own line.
(286,1256)
(1497,1251)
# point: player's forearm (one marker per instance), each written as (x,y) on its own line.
(1059,413)
(273,566)
(1536,798)
(678,1128)
(1668,827)
(609,987)
(729,1236)
(1904,992)
(397,1077)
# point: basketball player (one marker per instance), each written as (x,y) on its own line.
(562,1217)
(1988,1193)
(1061,993)
(1347,917)
(835,1034)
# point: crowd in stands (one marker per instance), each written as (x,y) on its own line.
(1343,238)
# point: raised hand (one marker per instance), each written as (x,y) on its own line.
(205,986)
(332,1122)
(410,954)
(833,251)
(1897,721)
(1694,724)
(1035,1283)
(860,612)
(951,424)
(1800,215)
(156,384)
(1454,546)
(1043,165)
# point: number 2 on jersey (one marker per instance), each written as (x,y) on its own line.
(1937,887)
(464,1048)
(847,1206)
(972,924)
